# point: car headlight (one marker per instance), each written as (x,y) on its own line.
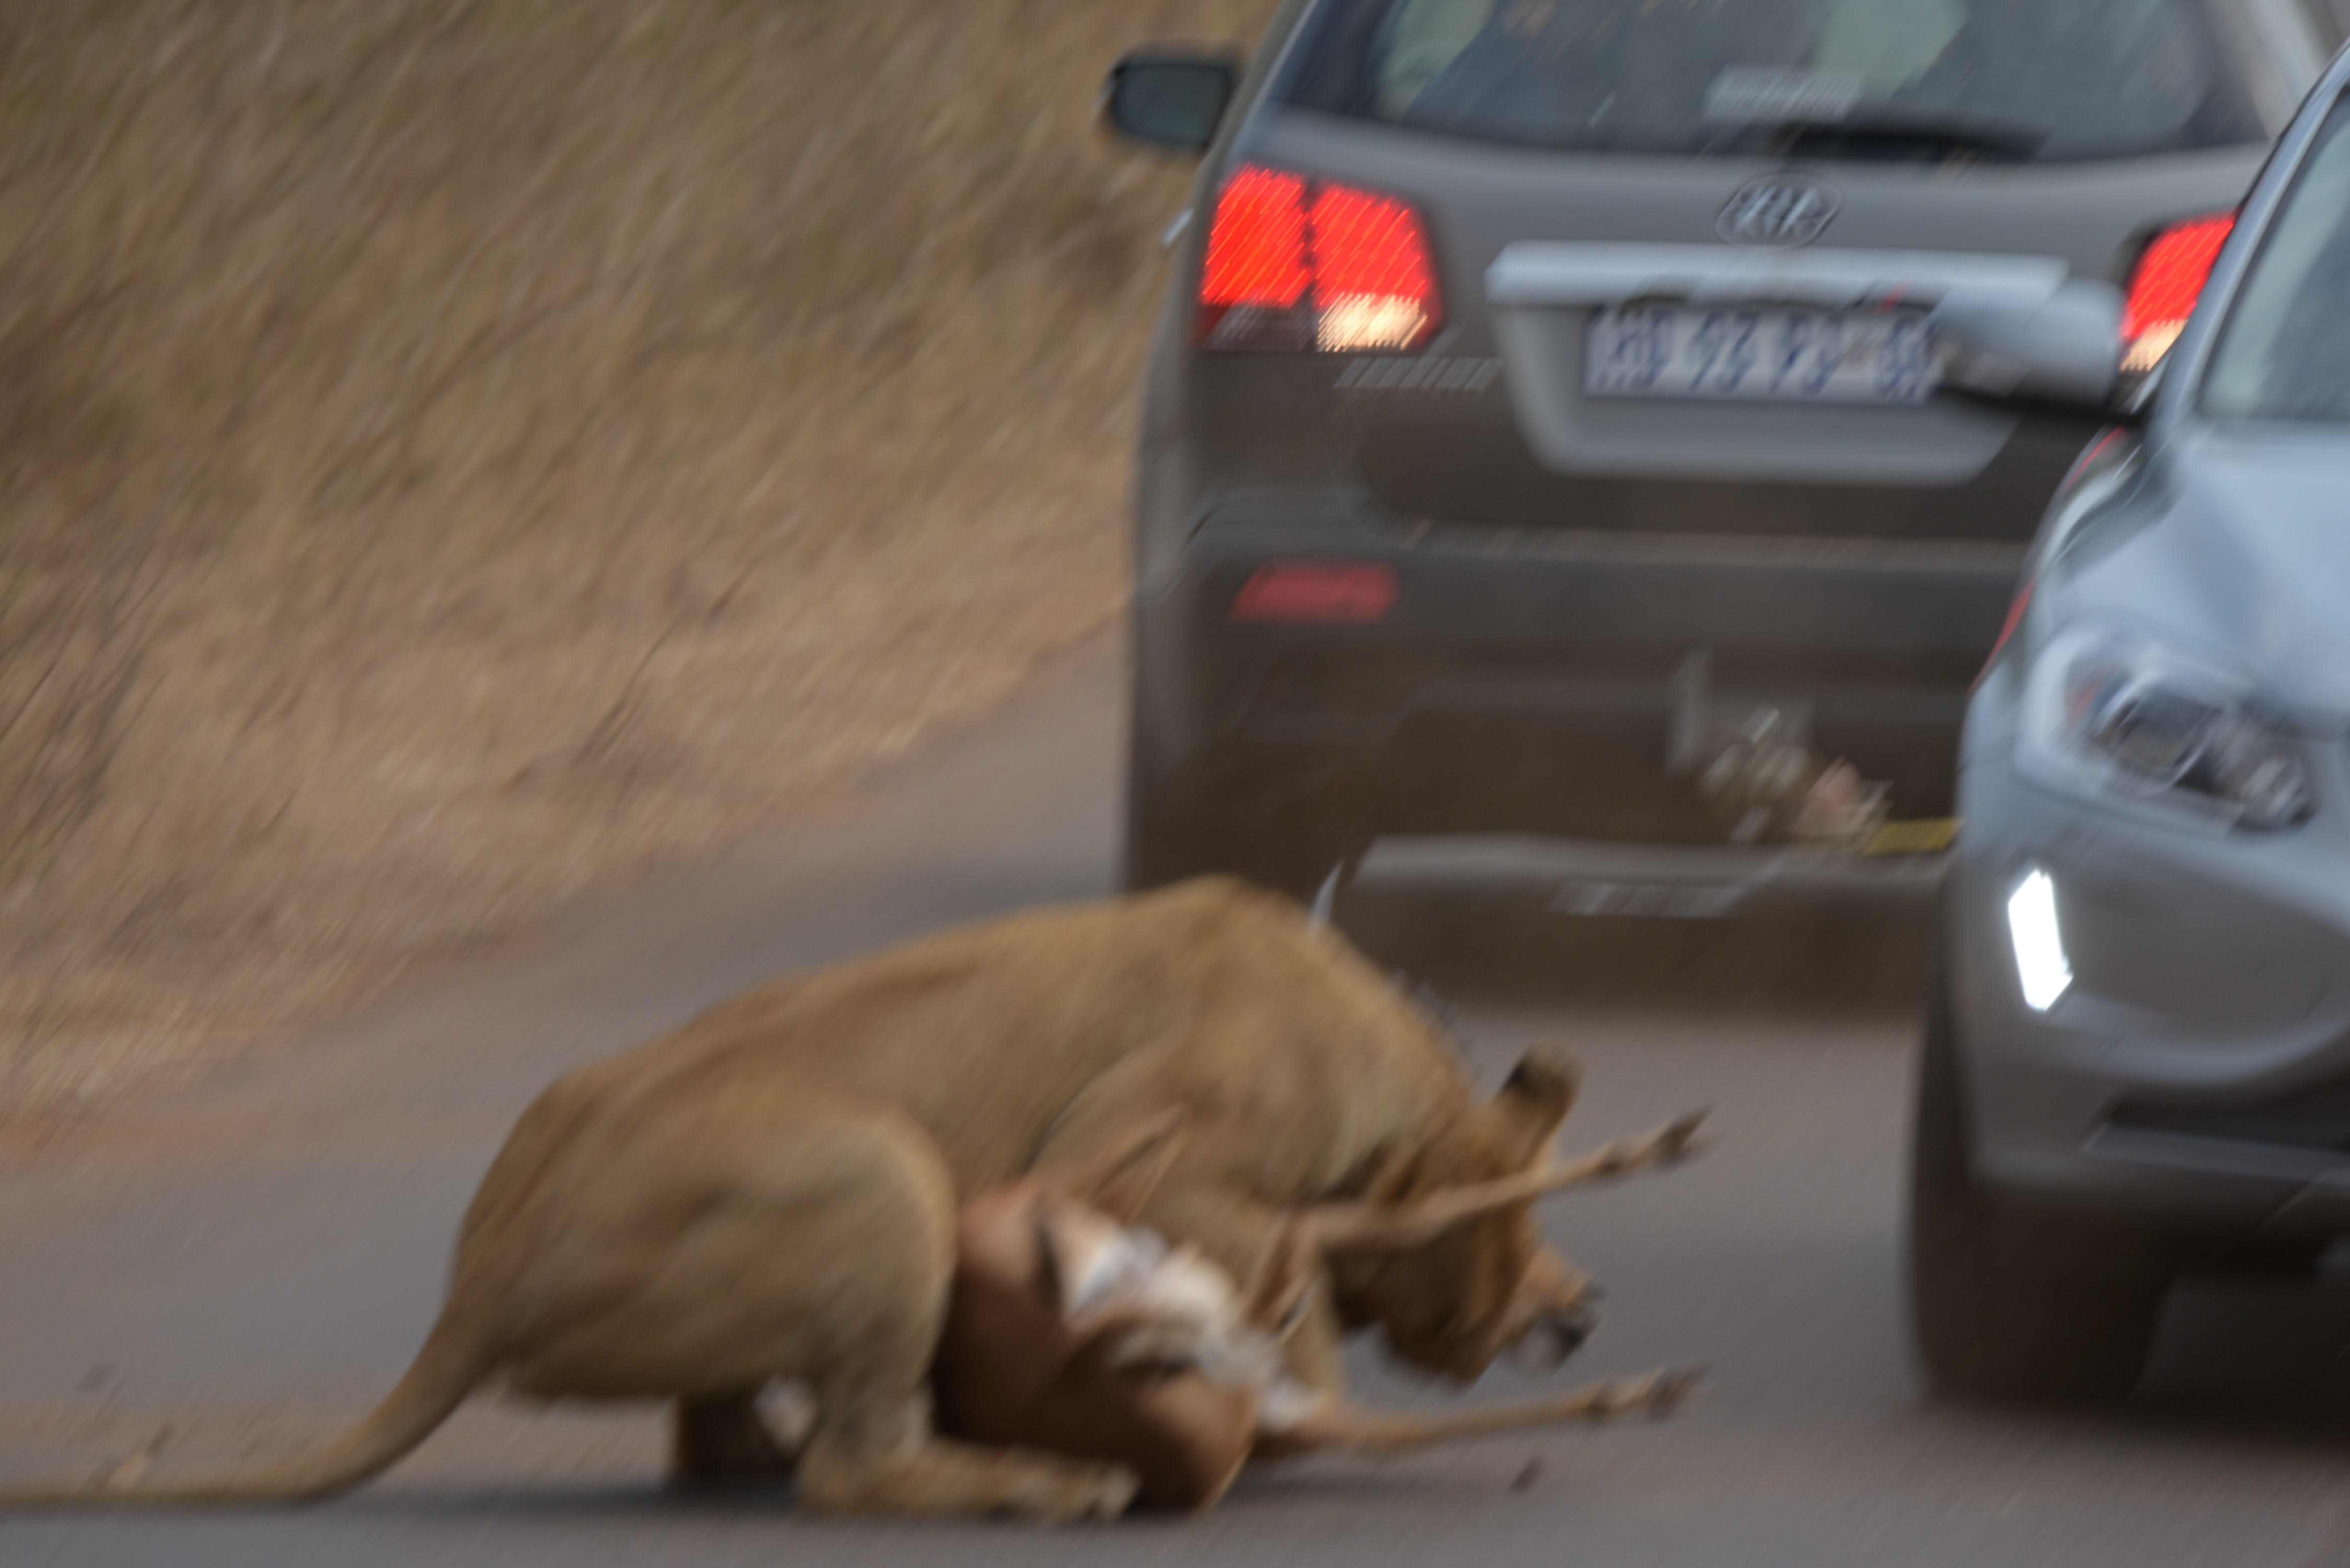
(2116,716)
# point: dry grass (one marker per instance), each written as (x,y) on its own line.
(454,454)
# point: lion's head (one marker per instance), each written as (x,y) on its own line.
(1486,1283)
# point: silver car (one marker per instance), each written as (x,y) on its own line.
(2138,1061)
(1543,431)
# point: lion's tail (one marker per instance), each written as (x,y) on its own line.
(453,1362)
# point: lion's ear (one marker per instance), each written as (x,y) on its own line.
(1534,1101)
(1120,1181)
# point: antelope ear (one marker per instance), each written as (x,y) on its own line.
(1120,1180)
(1534,1101)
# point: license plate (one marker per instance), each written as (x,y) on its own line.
(1769,354)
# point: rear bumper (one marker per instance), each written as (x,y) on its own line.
(1532,679)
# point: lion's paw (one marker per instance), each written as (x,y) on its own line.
(1092,1491)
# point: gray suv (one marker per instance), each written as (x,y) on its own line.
(2137,1051)
(1544,430)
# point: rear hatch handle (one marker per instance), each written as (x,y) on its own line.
(1534,273)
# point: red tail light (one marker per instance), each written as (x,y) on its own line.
(1256,251)
(1298,264)
(2163,290)
(1318,592)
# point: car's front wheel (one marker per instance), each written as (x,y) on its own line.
(2006,1303)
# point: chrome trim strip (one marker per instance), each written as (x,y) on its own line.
(1559,272)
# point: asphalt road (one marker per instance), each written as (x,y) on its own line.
(241,1267)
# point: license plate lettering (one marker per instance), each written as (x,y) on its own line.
(1797,341)
(1642,348)
(1740,356)
(1759,354)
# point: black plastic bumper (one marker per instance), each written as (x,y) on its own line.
(1526,680)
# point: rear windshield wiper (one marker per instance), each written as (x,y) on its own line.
(1898,138)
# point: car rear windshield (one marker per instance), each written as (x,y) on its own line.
(2284,353)
(2036,80)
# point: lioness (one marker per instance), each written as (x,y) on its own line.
(769,1193)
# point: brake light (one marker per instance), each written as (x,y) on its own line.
(1256,251)
(1301,264)
(2163,289)
(1318,592)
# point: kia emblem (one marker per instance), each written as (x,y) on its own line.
(1780,210)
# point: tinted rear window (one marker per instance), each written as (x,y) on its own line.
(2038,80)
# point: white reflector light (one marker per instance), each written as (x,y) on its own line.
(2040,960)
(1358,322)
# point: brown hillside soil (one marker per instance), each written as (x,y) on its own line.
(457,454)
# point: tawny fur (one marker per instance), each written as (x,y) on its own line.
(770,1191)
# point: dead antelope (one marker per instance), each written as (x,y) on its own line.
(1073,1332)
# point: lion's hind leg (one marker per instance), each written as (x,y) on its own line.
(891,1461)
(723,1237)
(849,1280)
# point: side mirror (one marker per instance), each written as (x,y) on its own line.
(2065,350)
(1170,96)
